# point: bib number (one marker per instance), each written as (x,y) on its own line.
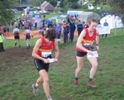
(46,54)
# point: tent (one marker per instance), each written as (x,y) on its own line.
(86,16)
(36,20)
(74,12)
(113,21)
(59,19)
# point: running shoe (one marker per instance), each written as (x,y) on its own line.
(91,84)
(76,83)
(50,98)
(35,91)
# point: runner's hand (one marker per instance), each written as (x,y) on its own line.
(46,61)
(90,52)
(56,60)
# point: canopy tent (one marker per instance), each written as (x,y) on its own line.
(37,20)
(86,16)
(73,13)
(113,21)
(59,19)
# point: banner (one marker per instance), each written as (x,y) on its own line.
(103,30)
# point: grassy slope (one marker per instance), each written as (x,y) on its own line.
(16,82)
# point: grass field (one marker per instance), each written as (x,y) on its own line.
(17,72)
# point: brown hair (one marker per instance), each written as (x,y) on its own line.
(51,34)
(93,20)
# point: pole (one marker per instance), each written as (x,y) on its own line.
(115,28)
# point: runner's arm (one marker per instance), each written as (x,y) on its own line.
(97,41)
(97,38)
(79,42)
(56,50)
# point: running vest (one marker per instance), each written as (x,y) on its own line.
(88,40)
(45,49)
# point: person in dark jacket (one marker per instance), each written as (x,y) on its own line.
(66,32)
(72,30)
(79,27)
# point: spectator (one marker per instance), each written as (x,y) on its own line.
(1,40)
(30,25)
(58,30)
(66,32)
(105,24)
(4,31)
(72,30)
(49,22)
(42,32)
(79,27)
(35,25)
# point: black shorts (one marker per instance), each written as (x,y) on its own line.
(28,37)
(40,65)
(16,37)
(81,54)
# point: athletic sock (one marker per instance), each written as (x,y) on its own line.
(76,78)
(90,79)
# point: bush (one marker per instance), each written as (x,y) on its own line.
(75,6)
(106,8)
(84,6)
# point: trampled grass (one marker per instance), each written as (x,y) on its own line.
(17,76)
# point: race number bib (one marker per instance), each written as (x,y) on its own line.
(46,54)
(87,44)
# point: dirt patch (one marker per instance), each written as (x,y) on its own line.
(14,56)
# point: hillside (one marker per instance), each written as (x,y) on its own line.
(17,73)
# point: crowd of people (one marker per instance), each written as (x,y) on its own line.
(65,29)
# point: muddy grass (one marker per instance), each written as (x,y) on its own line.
(17,73)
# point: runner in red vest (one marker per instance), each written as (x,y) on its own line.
(85,45)
(42,53)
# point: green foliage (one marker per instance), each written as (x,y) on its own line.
(36,3)
(106,8)
(85,6)
(6,13)
(118,5)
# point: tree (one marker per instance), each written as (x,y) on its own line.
(6,13)
(21,1)
(119,5)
